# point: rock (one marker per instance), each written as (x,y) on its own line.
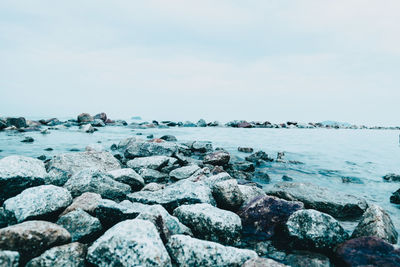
(17,122)
(18,173)
(336,204)
(201,146)
(169,138)
(125,143)
(32,238)
(153,176)
(367,251)
(72,255)
(87,201)
(259,262)
(391,177)
(287,178)
(184,172)
(210,223)
(98,123)
(92,180)
(153,162)
(84,118)
(250,192)
(227,195)
(267,249)
(262,175)
(147,149)
(258,157)
(307,259)
(27,139)
(201,123)
(243,166)
(180,193)
(129,243)
(86,128)
(311,229)
(188,251)
(352,180)
(5,218)
(3,124)
(265,215)
(219,158)
(9,258)
(376,222)
(395,197)
(245,149)
(41,202)
(101,116)
(153,187)
(129,177)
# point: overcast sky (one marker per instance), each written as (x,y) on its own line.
(308,60)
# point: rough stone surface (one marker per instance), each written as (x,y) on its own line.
(250,192)
(147,149)
(262,262)
(18,173)
(376,222)
(228,195)
(201,146)
(87,201)
(184,172)
(41,202)
(32,238)
(153,187)
(86,128)
(151,162)
(219,158)
(71,255)
(153,176)
(187,251)
(129,177)
(210,223)
(307,259)
(9,258)
(336,204)
(129,243)
(312,229)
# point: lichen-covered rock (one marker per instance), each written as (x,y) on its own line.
(311,229)
(129,177)
(83,227)
(250,192)
(228,195)
(153,176)
(9,258)
(210,223)
(151,162)
(219,158)
(71,255)
(376,222)
(92,180)
(32,238)
(184,172)
(188,251)
(87,201)
(40,202)
(147,149)
(260,262)
(129,243)
(336,204)
(18,173)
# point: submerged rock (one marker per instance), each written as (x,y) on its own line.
(245,149)
(228,195)
(258,157)
(129,177)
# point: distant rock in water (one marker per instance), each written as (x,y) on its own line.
(335,123)
(28,139)
(84,117)
(17,122)
(392,177)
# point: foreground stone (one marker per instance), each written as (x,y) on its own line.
(18,173)
(210,223)
(41,202)
(71,255)
(376,222)
(184,172)
(228,195)
(129,177)
(32,238)
(336,204)
(129,243)
(187,251)
(9,258)
(153,176)
(311,229)
(250,192)
(87,201)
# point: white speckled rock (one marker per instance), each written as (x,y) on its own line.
(9,258)
(184,172)
(147,149)
(87,201)
(153,162)
(129,243)
(228,195)
(129,177)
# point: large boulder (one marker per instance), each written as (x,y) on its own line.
(265,214)
(367,251)
(18,173)
(9,258)
(219,158)
(17,122)
(180,193)
(228,195)
(72,255)
(92,180)
(188,251)
(311,229)
(129,177)
(147,149)
(337,204)
(210,223)
(87,201)
(152,162)
(84,118)
(32,238)
(376,222)
(41,202)
(184,172)
(129,243)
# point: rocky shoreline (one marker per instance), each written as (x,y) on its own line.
(161,202)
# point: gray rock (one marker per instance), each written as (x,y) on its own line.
(18,173)
(312,229)
(98,123)
(336,204)
(210,223)
(125,143)
(180,193)
(92,180)
(152,162)
(71,255)
(259,262)
(83,227)
(250,192)
(147,149)
(228,195)
(84,117)
(201,123)
(219,158)
(188,251)
(262,175)
(129,177)
(86,128)
(9,258)
(87,201)
(184,172)
(210,181)
(101,116)
(376,222)
(153,187)
(307,259)
(202,146)
(41,202)
(129,243)
(153,176)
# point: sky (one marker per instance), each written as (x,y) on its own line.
(276,60)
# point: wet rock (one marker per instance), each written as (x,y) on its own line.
(307,259)
(258,157)
(129,243)
(259,262)
(180,193)
(210,223)
(84,118)
(86,128)
(243,166)
(227,195)
(42,158)
(184,172)
(201,146)
(87,201)
(262,175)
(153,187)
(265,215)
(169,138)
(101,116)
(41,202)
(219,158)
(129,177)
(245,149)
(9,258)
(28,139)
(92,180)
(125,143)
(287,178)
(188,251)
(153,162)
(98,123)
(376,222)
(17,122)
(250,192)
(32,238)
(336,204)
(311,229)
(391,177)
(147,149)
(153,176)
(18,173)
(395,197)
(367,251)
(72,255)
